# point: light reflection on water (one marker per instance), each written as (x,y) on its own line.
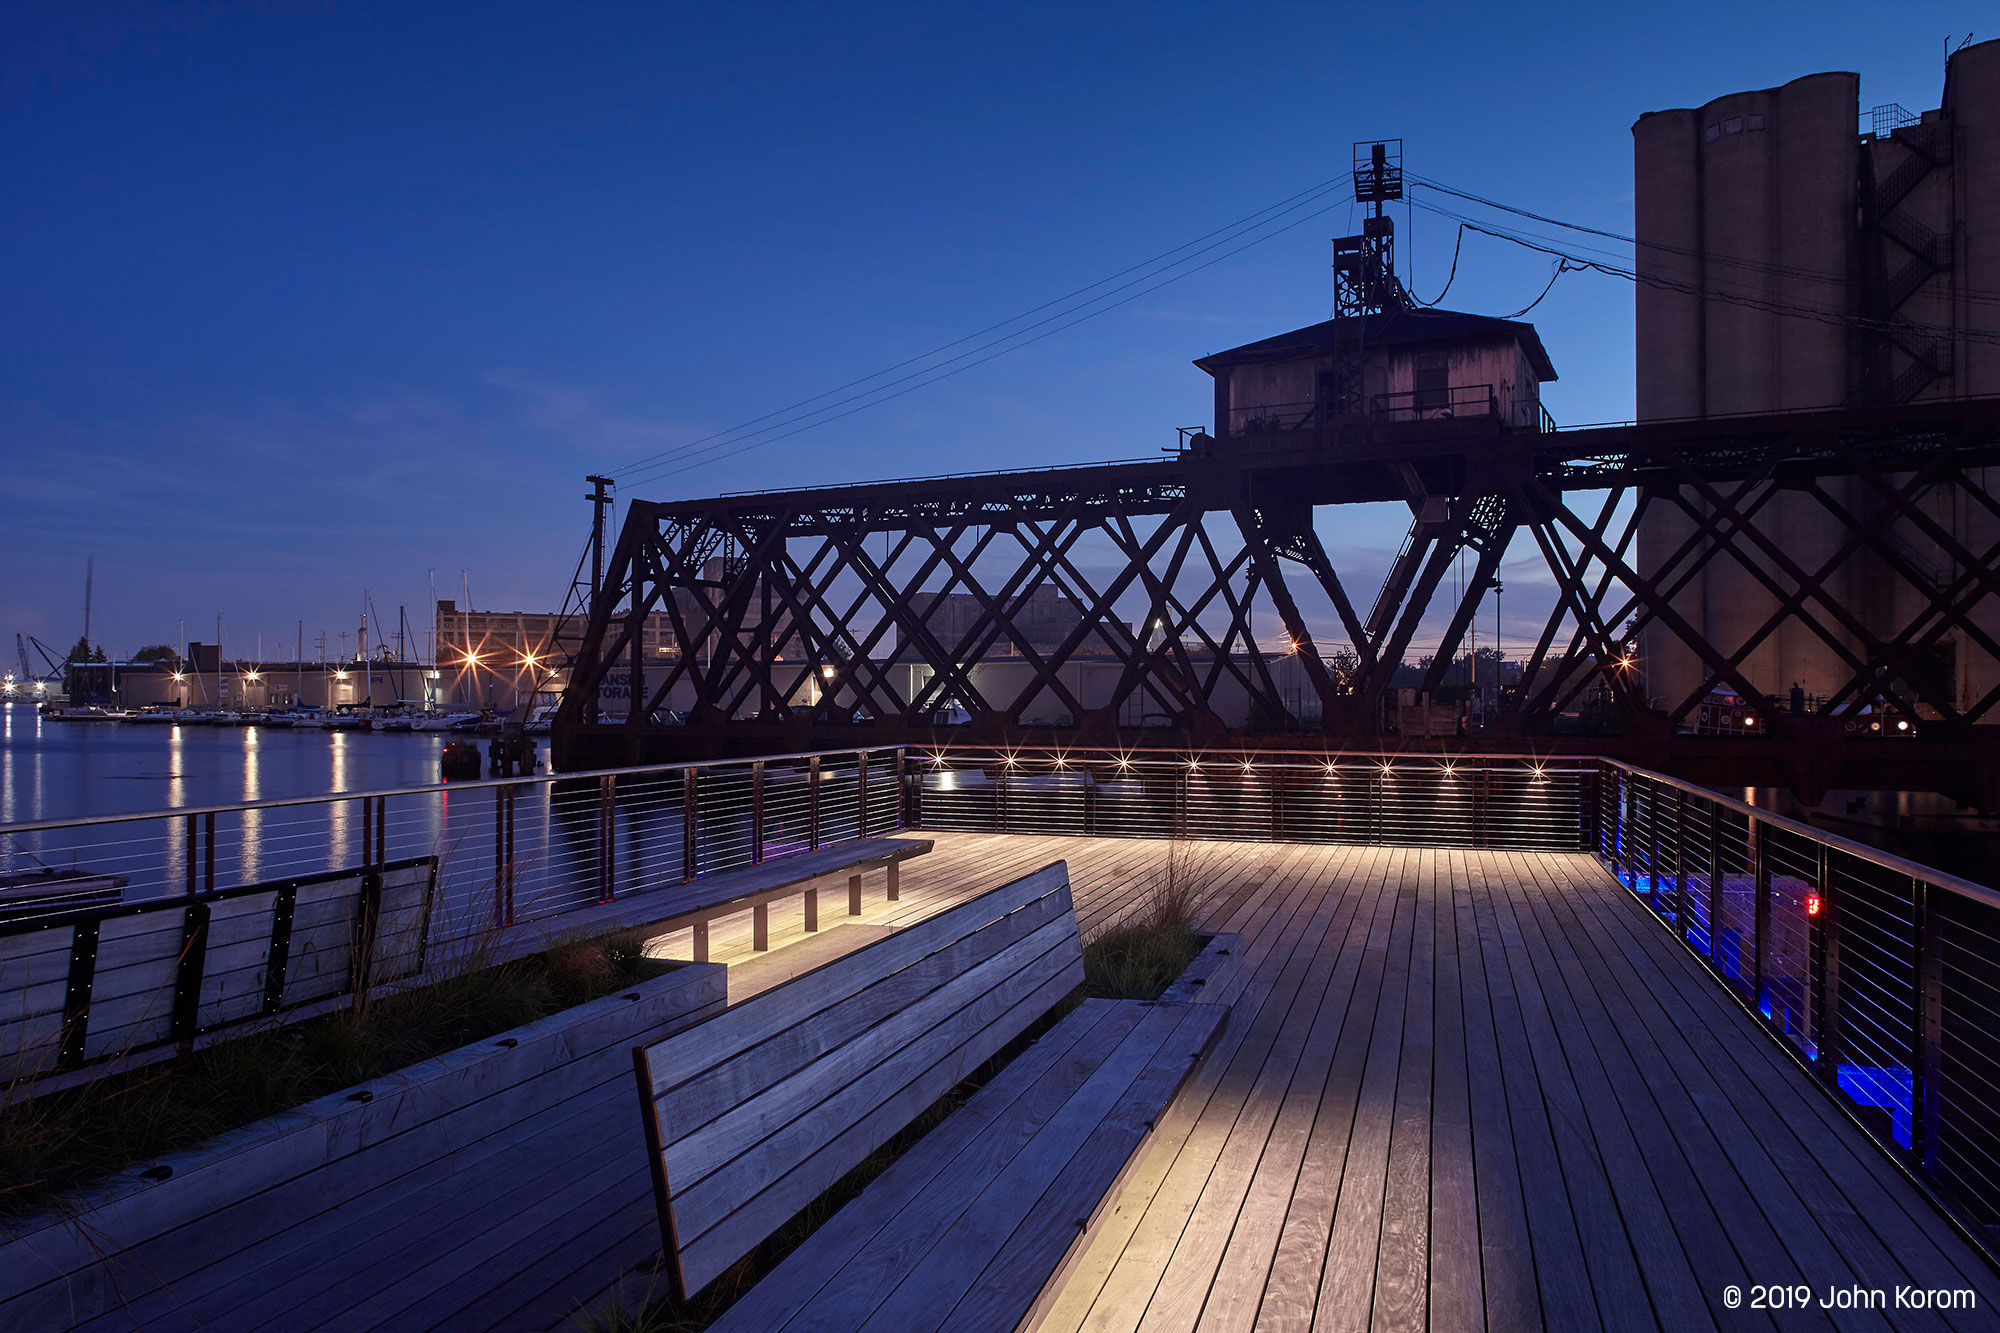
(59,771)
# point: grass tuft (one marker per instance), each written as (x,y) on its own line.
(1139,956)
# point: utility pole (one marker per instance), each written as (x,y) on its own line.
(600,504)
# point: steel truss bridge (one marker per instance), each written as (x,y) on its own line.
(804,619)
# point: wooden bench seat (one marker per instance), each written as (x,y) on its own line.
(751,888)
(974,1223)
(752,1114)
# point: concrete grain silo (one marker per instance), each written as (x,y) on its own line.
(1791,258)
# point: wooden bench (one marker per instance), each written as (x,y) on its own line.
(753,1114)
(753,889)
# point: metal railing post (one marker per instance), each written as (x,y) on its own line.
(812,803)
(1652,790)
(1680,863)
(607,838)
(1715,869)
(861,796)
(756,812)
(689,861)
(208,853)
(902,786)
(1760,890)
(1927,1026)
(1826,1034)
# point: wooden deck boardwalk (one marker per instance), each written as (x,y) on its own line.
(1457,1091)
(1471,1090)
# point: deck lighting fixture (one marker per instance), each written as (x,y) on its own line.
(1192,765)
(1749,721)
(1329,770)
(1247,765)
(1386,767)
(1812,904)
(1902,724)
(1062,763)
(1124,763)
(1009,761)
(1537,771)
(1450,772)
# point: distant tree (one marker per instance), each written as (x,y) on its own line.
(83,652)
(156,652)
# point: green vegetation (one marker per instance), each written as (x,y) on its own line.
(156,652)
(65,1140)
(1141,955)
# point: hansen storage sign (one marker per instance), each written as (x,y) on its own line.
(614,694)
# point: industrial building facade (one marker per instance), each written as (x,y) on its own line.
(1792,257)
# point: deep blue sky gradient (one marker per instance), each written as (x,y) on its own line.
(302,299)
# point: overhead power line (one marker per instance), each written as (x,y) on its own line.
(1572,262)
(794,414)
(744,446)
(1707,257)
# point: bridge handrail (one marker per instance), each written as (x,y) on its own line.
(1887,860)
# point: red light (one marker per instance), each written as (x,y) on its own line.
(1812,904)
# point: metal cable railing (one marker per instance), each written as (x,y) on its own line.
(1499,801)
(1880,974)
(510,849)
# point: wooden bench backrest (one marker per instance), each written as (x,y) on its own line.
(96,983)
(752,1114)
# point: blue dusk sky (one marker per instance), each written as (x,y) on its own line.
(303,300)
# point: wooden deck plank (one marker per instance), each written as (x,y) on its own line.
(1136,1278)
(1402,1265)
(1562,1276)
(1720,1229)
(1263,1149)
(1282,897)
(1347,1283)
(1601,1139)
(1508,1274)
(1236,1280)
(1456,1300)
(1838,1221)
(1465,1139)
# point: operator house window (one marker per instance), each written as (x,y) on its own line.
(1431,378)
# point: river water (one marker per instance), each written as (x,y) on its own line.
(72,770)
(523,849)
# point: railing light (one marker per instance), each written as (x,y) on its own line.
(1812,904)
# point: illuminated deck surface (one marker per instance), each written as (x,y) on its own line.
(1466,1090)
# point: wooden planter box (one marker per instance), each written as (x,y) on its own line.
(163,1222)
